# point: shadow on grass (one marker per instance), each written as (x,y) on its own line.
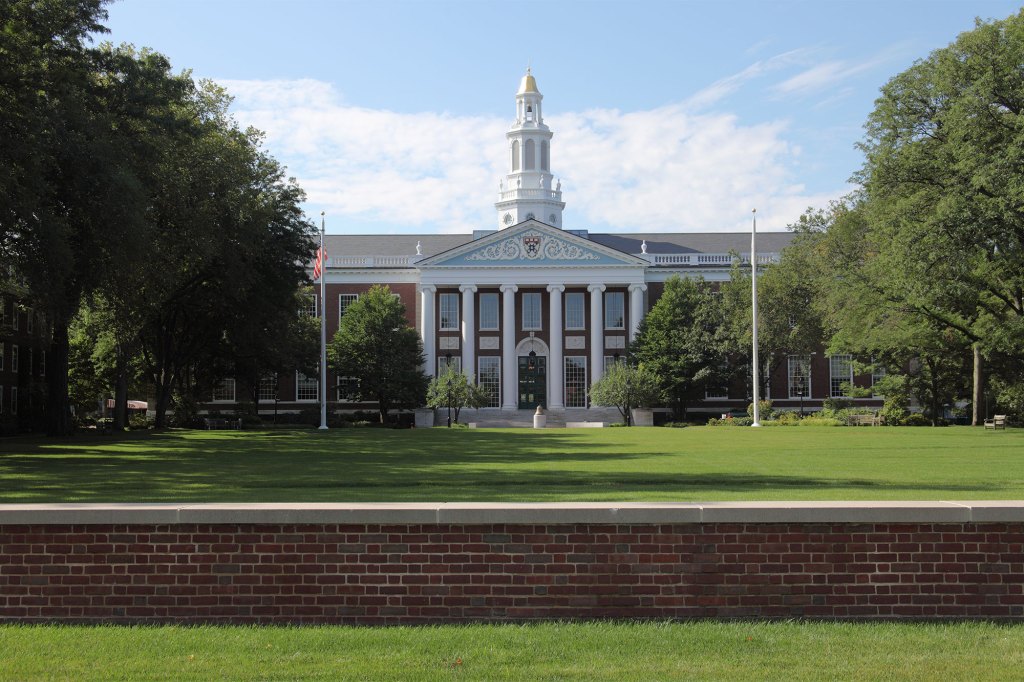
(423,465)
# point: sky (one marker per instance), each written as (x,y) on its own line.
(667,116)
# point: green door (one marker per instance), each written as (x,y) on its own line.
(533,382)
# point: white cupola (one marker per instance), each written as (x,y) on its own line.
(528,190)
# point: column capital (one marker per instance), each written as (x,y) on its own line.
(595,287)
(467,287)
(556,287)
(428,288)
(509,287)
(637,287)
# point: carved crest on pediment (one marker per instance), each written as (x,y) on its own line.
(532,246)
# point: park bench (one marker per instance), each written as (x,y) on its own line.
(997,421)
(865,420)
(216,423)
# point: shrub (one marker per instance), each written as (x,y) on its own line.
(915,419)
(682,425)
(765,407)
(817,420)
(139,420)
(787,418)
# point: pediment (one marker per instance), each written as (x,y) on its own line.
(530,244)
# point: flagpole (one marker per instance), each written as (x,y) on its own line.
(323,328)
(753,300)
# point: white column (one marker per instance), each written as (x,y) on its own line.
(555,389)
(636,308)
(427,325)
(509,369)
(468,329)
(596,332)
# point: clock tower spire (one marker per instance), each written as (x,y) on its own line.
(528,190)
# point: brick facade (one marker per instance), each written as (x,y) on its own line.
(372,573)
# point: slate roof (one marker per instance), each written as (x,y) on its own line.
(657,242)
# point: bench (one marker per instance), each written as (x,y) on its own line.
(215,423)
(865,420)
(997,421)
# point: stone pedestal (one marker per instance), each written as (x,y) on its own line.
(424,418)
(643,416)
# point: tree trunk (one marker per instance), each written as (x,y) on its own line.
(58,413)
(977,417)
(120,397)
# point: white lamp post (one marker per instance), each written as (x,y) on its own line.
(323,328)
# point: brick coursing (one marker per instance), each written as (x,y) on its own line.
(382,574)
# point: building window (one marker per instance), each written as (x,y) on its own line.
(3,311)
(224,391)
(347,386)
(575,380)
(311,309)
(515,155)
(446,361)
(14,400)
(488,312)
(531,311)
(614,310)
(1,357)
(575,317)
(719,391)
(31,360)
(306,388)
(268,388)
(544,155)
(449,312)
(15,318)
(489,377)
(799,376)
(30,323)
(610,360)
(840,372)
(344,301)
(42,363)
(530,160)
(14,359)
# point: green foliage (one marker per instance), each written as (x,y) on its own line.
(817,420)
(456,389)
(376,346)
(626,386)
(679,342)
(765,409)
(915,419)
(1009,397)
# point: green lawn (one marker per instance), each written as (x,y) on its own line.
(554,651)
(692,464)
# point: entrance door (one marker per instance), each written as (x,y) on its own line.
(533,381)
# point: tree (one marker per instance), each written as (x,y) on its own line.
(679,341)
(376,346)
(626,386)
(944,156)
(455,389)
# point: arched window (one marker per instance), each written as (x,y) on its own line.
(515,155)
(544,155)
(530,162)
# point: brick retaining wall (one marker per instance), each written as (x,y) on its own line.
(373,564)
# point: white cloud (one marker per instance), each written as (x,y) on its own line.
(665,169)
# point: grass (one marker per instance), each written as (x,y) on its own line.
(552,651)
(349,465)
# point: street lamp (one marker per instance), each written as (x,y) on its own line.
(448,358)
(802,387)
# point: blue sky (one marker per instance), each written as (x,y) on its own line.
(668,116)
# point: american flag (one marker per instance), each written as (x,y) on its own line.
(321,256)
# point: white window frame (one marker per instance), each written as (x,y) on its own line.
(485,379)
(14,400)
(343,305)
(834,380)
(448,312)
(273,395)
(489,296)
(15,359)
(609,360)
(225,387)
(570,323)
(29,321)
(337,389)
(528,325)
(444,361)
(609,310)
(15,322)
(312,308)
(793,363)
(582,371)
(300,380)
